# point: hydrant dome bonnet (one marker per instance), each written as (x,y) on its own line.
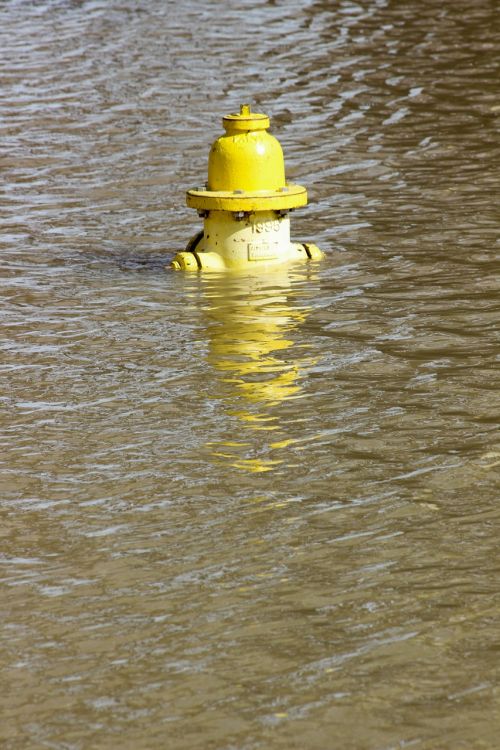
(246,170)
(246,160)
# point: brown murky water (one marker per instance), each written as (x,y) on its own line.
(242,513)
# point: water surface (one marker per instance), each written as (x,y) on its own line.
(249,512)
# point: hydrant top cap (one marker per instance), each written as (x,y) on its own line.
(245,120)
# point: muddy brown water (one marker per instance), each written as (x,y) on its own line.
(249,512)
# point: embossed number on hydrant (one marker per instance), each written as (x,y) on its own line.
(268,226)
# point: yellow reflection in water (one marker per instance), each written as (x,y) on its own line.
(250,321)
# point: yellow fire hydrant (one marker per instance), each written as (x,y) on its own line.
(246,202)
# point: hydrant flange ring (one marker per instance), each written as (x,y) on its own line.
(223,200)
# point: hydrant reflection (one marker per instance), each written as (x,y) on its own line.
(251,320)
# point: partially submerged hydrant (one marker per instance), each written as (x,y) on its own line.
(246,202)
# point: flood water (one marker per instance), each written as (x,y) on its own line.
(249,512)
